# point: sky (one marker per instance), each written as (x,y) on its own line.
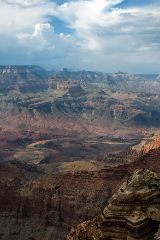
(98,35)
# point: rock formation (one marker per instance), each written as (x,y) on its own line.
(39,204)
(132,213)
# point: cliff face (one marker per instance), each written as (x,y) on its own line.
(132,213)
(54,203)
(22,78)
(57,197)
(150,142)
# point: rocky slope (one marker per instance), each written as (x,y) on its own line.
(56,202)
(132,213)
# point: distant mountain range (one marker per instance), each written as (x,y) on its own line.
(31,77)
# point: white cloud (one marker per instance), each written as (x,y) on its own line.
(117,37)
(102,35)
(83,14)
(27,37)
(23,3)
(44,39)
(15,15)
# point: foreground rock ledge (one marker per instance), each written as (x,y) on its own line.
(132,213)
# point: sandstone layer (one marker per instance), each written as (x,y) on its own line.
(132,213)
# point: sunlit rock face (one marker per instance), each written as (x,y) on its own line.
(132,213)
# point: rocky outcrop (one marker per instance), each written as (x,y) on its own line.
(61,200)
(150,142)
(132,213)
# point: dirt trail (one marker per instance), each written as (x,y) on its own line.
(44,141)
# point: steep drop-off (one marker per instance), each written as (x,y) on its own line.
(132,213)
(59,201)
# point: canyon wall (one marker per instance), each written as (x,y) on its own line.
(62,200)
(132,213)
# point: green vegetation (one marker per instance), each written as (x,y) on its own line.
(121,189)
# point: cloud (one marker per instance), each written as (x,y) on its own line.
(23,3)
(44,39)
(91,21)
(116,35)
(15,18)
(27,37)
(102,33)
(81,14)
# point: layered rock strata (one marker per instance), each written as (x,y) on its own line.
(51,201)
(132,213)
(60,200)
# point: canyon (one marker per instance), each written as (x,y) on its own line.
(68,141)
(81,110)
